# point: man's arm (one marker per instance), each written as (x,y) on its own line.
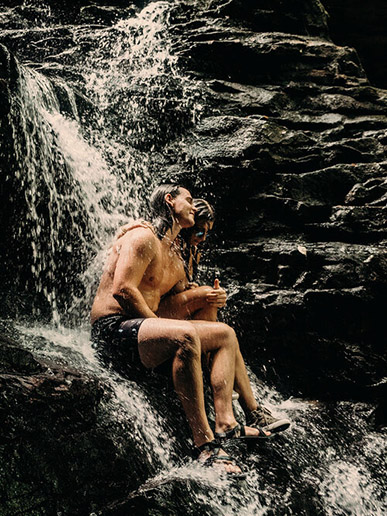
(136,253)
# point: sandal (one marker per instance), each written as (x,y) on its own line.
(262,417)
(214,448)
(239,432)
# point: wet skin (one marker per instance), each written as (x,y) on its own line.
(139,270)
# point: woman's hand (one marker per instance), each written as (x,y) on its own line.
(216,296)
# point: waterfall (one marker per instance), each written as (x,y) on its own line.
(83,150)
(86,174)
(65,183)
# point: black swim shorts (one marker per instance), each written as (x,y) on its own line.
(115,339)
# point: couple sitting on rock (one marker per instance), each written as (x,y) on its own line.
(148,310)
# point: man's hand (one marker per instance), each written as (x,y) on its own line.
(216,296)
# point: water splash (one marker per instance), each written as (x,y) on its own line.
(348,489)
(128,407)
(64,181)
(143,98)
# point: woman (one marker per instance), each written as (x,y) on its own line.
(202,302)
(188,300)
(192,237)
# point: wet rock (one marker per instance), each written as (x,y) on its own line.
(104,14)
(315,358)
(379,415)
(372,192)
(51,12)
(359,25)
(309,315)
(358,220)
(303,17)
(61,449)
(271,58)
(42,43)
(15,360)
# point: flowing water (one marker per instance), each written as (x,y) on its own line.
(324,465)
(86,143)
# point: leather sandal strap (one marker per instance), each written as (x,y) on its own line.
(214,447)
(211,446)
(237,431)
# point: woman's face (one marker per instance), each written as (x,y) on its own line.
(200,232)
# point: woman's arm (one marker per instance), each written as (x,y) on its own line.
(195,303)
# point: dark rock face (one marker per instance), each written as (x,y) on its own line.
(289,144)
(293,143)
(59,450)
(361,25)
(317,306)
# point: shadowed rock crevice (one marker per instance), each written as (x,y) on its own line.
(361,25)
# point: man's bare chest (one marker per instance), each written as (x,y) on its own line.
(172,268)
(165,270)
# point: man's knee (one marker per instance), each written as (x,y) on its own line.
(227,334)
(188,344)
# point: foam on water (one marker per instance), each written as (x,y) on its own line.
(348,489)
(128,406)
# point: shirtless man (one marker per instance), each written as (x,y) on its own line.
(143,265)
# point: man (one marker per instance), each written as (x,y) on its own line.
(143,265)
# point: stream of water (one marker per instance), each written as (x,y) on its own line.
(138,98)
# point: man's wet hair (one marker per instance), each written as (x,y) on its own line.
(161,213)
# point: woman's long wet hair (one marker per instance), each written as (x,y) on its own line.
(205,213)
(161,213)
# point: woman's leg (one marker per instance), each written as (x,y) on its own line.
(220,340)
(190,304)
(242,385)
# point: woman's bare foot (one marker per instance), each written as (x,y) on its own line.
(248,430)
(254,431)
